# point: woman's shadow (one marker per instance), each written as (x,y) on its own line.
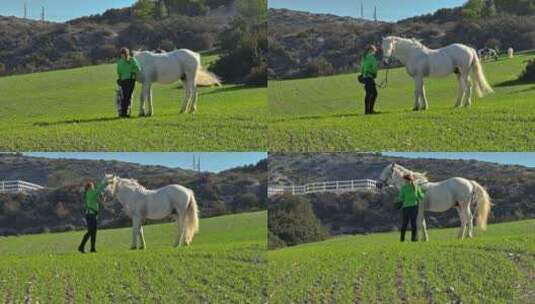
(77,121)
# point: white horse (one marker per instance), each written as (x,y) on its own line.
(140,204)
(422,62)
(458,192)
(510,52)
(167,68)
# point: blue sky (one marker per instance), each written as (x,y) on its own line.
(210,161)
(387,10)
(60,10)
(509,158)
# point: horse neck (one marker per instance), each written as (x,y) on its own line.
(405,48)
(123,191)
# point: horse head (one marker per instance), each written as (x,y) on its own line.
(385,178)
(112,181)
(388,46)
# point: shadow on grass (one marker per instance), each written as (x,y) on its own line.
(226,89)
(314,117)
(514,82)
(79,121)
(523,91)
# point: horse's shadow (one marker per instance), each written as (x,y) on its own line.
(316,117)
(78,121)
(226,89)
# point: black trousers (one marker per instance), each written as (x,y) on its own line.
(409,214)
(91,220)
(371,94)
(127,86)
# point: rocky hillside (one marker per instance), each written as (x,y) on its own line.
(230,28)
(512,188)
(59,207)
(305,44)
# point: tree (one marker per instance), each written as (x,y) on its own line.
(162,10)
(473,9)
(144,9)
(292,220)
(244,48)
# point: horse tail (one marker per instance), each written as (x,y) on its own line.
(481,84)
(192,219)
(206,78)
(483,202)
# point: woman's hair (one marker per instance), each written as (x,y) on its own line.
(126,51)
(88,185)
(408,177)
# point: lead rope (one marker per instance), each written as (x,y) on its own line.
(384,83)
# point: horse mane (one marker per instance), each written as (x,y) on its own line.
(412,42)
(419,177)
(133,183)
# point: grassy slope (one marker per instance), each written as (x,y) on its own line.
(74,110)
(325,114)
(226,263)
(494,267)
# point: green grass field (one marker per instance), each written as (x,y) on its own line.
(497,266)
(326,114)
(225,264)
(74,110)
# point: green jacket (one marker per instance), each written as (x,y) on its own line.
(369,66)
(91,197)
(410,194)
(127,69)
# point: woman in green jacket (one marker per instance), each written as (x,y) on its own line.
(369,67)
(91,195)
(410,195)
(127,68)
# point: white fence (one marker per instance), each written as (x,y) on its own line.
(16,186)
(355,185)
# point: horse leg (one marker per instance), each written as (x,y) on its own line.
(142,98)
(460,92)
(185,100)
(462,216)
(149,100)
(418,84)
(135,230)
(469,91)
(194,97)
(177,240)
(141,237)
(421,222)
(191,86)
(182,229)
(424,99)
(464,83)
(470,218)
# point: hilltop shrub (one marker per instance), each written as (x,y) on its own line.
(528,75)
(292,220)
(319,67)
(244,48)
